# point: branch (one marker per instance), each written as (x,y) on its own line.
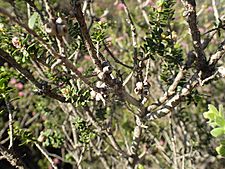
(83,27)
(171,91)
(191,17)
(145,15)
(114,83)
(175,100)
(133,160)
(51,50)
(45,153)
(215,11)
(32,4)
(12,158)
(44,89)
(113,143)
(218,55)
(172,102)
(101,155)
(115,59)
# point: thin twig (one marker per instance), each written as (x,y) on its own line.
(133,32)
(44,152)
(135,144)
(171,91)
(145,15)
(9,108)
(115,59)
(215,11)
(29,76)
(114,144)
(173,143)
(32,4)
(101,155)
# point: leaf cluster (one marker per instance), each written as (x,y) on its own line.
(160,43)
(85,133)
(217,122)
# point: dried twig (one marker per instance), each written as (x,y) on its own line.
(12,158)
(133,32)
(145,15)
(9,108)
(44,152)
(215,11)
(115,59)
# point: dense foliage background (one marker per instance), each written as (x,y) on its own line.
(112,84)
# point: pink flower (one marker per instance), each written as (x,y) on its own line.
(202,30)
(103,19)
(161,142)
(56,161)
(21,94)
(120,6)
(87,57)
(19,86)
(12,81)
(43,117)
(80,69)
(148,3)
(16,42)
(210,9)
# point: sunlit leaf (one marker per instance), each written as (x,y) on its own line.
(32,20)
(216,132)
(221,150)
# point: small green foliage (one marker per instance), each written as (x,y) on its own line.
(160,42)
(215,117)
(68,157)
(140,166)
(99,32)
(76,38)
(4,79)
(221,150)
(79,97)
(216,132)
(52,138)
(217,121)
(24,135)
(85,133)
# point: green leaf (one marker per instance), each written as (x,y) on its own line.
(222,142)
(209,115)
(221,150)
(140,166)
(216,132)
(212,109)
(220,121)
(32,20)
(221,111)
